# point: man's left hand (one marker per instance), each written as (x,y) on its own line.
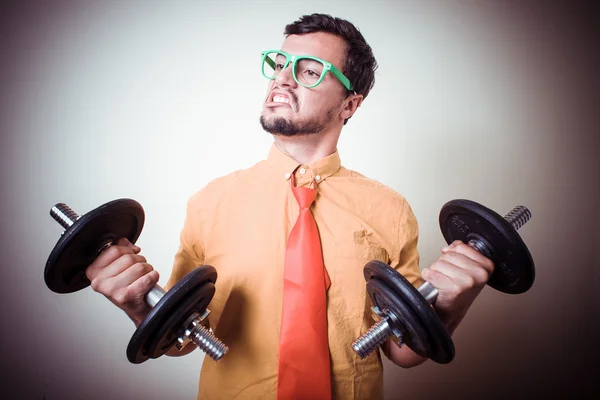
(459,275)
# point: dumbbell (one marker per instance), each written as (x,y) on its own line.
(175,317)
(405,313)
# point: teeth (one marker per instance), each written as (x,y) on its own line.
(280,99)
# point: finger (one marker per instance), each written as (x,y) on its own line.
(444,280)
(460,260)
(129,275)
(460,265)
(458,277)
(471,253)
(109,255)
(115,285)
(438,280)
(142,285)
(113,263)
(451,245)
(451,270)
(126,242)
(121,265)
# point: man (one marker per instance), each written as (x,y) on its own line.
(241,224)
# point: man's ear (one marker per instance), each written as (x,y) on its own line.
(351,105)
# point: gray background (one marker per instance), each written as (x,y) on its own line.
(496,102)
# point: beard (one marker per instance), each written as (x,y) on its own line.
(284,127)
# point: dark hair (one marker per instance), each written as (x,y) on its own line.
(359,62)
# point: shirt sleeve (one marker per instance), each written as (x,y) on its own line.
(406,260)
(190,254)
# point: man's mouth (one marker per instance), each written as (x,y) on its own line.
(280,99)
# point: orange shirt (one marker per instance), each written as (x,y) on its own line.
(240,223)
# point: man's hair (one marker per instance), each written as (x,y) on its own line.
(359,65)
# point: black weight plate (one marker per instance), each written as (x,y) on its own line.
(165,337)
(514,270)
(413,332)
(157,331)
(441,347)
(79,244)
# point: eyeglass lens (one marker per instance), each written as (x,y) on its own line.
(307,71)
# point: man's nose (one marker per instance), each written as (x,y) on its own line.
(285,77)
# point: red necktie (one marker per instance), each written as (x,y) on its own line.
(304,366)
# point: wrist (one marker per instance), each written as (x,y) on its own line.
(138,316)
(450,320)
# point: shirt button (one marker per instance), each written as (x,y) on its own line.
(302,171)
(318,177)
(287,176)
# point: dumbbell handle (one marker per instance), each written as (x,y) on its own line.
(517,217)
(193,329)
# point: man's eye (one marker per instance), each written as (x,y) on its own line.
(278,66)
(311,73)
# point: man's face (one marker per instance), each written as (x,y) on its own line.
(305,110)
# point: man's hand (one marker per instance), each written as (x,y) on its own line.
(124,277)
(459,275)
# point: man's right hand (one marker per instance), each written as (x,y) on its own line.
(124,277)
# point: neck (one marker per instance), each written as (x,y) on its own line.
(306,149)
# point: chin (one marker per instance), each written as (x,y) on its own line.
(272,123)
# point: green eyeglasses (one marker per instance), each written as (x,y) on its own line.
(307,71)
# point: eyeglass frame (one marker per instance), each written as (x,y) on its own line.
(294,58)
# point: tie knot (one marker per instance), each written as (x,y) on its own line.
(304,196)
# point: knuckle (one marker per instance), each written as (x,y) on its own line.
(458,244)
(120,297)
(135,293)
(146,280)
(429,275)
(95,285)
(130,259)
(470,282)
(145,268)
(444,257)
(113,252)
(455,289)
(482,275)
(89,274)
(138,268)
(450,258)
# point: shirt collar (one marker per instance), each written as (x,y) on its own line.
(284,165)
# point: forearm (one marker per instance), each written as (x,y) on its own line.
(450,320)
(402,356)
